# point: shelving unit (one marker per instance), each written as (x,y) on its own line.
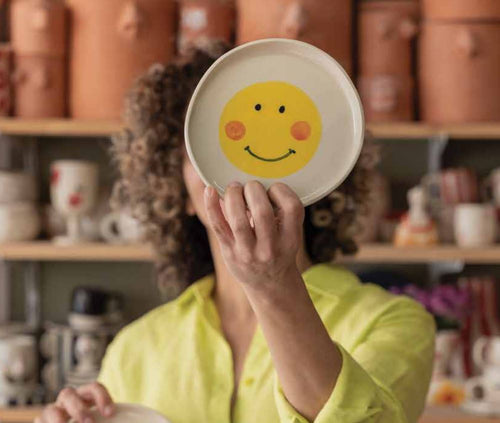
(102,128)
(19,415)
(370,253)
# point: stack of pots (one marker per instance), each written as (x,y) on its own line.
(387,29)
(112,43)
(460,61)
(202,21)
(325,24)
(38,35)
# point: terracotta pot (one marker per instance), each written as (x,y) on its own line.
(5,79)
(461,9)
(387,98)
(112,43)
(205,20)
(386,31)
(38,27)
(325,24)
(40,86)
(459,72)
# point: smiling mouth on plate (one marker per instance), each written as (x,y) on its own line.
(277,159)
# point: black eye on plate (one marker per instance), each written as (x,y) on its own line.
(258,107)
(282,109)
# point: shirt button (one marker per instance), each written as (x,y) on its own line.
(249,381)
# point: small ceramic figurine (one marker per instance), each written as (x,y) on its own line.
(416,227)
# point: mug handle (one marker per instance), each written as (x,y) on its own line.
(479,350)
(295,21)
(471,385)
(109,228)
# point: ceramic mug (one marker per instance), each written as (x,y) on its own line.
(19,222)
(491,186)
(120,227)
(475,225)
(485,388)
(486,351)
(17,187)
(73,190)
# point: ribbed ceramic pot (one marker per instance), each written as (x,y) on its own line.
(112,43)
(461,9)
(387,30)
(39,86)
(202,21)
(325,24)
(38,27)
(387,98)
(459,64)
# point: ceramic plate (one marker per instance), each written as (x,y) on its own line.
(130,413)
(275,110)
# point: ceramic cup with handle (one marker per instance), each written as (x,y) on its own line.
(121,228)
(485,387)
(73,190)
(19,222)
(475,225)
(17,187)
(491,186)
(486,351)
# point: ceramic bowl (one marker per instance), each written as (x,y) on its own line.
(19,222)
(17,187)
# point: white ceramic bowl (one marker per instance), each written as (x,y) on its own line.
(17,187)
(19,222)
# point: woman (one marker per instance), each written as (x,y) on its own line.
(269,336)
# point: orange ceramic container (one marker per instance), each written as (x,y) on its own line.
(205,20)
(112,43)
(325,24)
(38,27)
(459,71)
(461,9)
(39,84)
(386,33)
(387,98)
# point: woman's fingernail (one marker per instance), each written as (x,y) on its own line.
(88,420)
(108,410)
(234,184)
(209,191)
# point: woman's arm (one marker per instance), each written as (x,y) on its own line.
(263,259)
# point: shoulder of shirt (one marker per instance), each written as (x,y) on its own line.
(152,326)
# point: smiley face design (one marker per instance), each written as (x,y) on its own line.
(270,129)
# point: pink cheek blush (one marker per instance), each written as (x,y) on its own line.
(301,131)
(235,130)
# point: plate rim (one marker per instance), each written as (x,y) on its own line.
(359,116)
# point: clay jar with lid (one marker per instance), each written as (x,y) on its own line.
(459,71)
(38,27)
(112,43)
(387,30)
(202,21)
(325,24)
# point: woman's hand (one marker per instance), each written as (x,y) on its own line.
(259,232)
(76,403)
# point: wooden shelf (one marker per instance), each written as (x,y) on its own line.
(452,415)
(370,253)
(58,127)
(19,415)
(103,128)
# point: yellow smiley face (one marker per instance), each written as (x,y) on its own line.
(270,129)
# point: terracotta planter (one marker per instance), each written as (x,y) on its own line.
(386,31)
(5,79)
(39,84)
(38,27)
(387,98)
(112,43)
(205,20)
(461,9)
(459,72)
(326,24)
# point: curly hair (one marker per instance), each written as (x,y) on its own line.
(149,157)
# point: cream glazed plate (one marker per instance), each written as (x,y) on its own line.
(130,413)
(275,110)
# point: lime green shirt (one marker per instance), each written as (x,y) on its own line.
(176,360)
